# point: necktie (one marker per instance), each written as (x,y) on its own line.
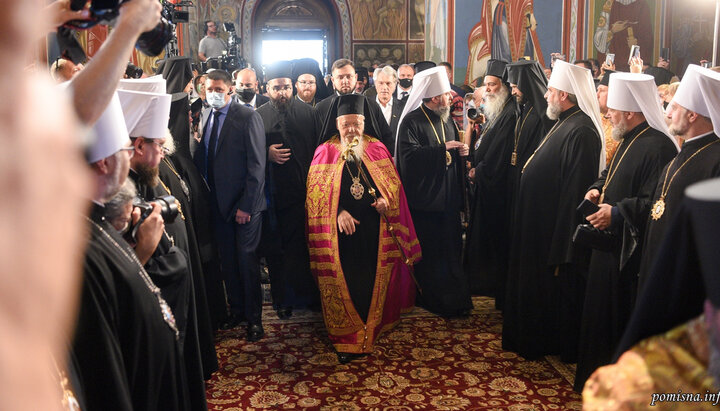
(403,95)
(212,145)
(248,105)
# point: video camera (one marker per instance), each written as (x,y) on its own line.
(168,211)
(151,42)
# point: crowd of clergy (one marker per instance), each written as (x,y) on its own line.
(577,202)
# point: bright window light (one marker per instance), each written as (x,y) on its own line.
(274,50)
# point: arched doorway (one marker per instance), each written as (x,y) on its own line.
(300,20)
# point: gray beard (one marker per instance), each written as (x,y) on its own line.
(494,104)
(679,131)
(443,113)
(169,144)
(112,185)
(618,133)
(358,150)
(553,112)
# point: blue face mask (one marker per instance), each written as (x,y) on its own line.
(215,100)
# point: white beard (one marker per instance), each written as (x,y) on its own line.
(494,103)
(358,150)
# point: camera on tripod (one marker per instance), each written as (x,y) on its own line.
(151,42)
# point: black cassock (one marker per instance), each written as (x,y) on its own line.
(434,193)
(671,293)
(171,269)
(530,128)
(612,278)
(127,354)
(283,241)
(358,251)
(175,185)
(545,286)
(488,232)
(704,165)
(375,124)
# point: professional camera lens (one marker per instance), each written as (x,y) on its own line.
(153,42)
(168,208)
(472,113)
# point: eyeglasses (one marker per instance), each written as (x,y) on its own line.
(306,83)
(165,150)
(129,150)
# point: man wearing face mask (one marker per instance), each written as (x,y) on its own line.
(405,78)
(231,156)
(246,89)
(291,129)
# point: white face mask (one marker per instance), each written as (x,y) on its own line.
(216,100)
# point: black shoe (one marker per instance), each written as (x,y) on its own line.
(255,332)
(231,321)
(284,313)
(346,357)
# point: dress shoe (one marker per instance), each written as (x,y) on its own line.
(255,332)
(231,321)
(284,313)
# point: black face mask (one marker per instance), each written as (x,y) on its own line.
(405,82)
(246,94)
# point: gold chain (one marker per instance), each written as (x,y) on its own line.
(176,200)
(611,171)
(448,157)
(433,127)
(664,190)
(164,307)
(551,132)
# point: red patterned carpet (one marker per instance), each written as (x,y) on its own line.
(424,363)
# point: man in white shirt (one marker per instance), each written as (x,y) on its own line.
(390,106)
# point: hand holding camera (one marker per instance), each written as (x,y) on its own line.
(147,232)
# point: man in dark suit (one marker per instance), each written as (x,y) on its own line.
(246,89)
(231,156)
(390,107)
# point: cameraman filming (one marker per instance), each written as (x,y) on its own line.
(210,46)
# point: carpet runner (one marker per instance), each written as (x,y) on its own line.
(424,363)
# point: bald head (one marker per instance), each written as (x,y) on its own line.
(247,79)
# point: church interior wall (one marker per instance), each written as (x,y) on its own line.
(399,31)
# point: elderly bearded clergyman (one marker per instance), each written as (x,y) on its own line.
(354,197)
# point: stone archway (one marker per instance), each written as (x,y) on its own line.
(331,15)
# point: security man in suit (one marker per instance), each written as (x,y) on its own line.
(231,155)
